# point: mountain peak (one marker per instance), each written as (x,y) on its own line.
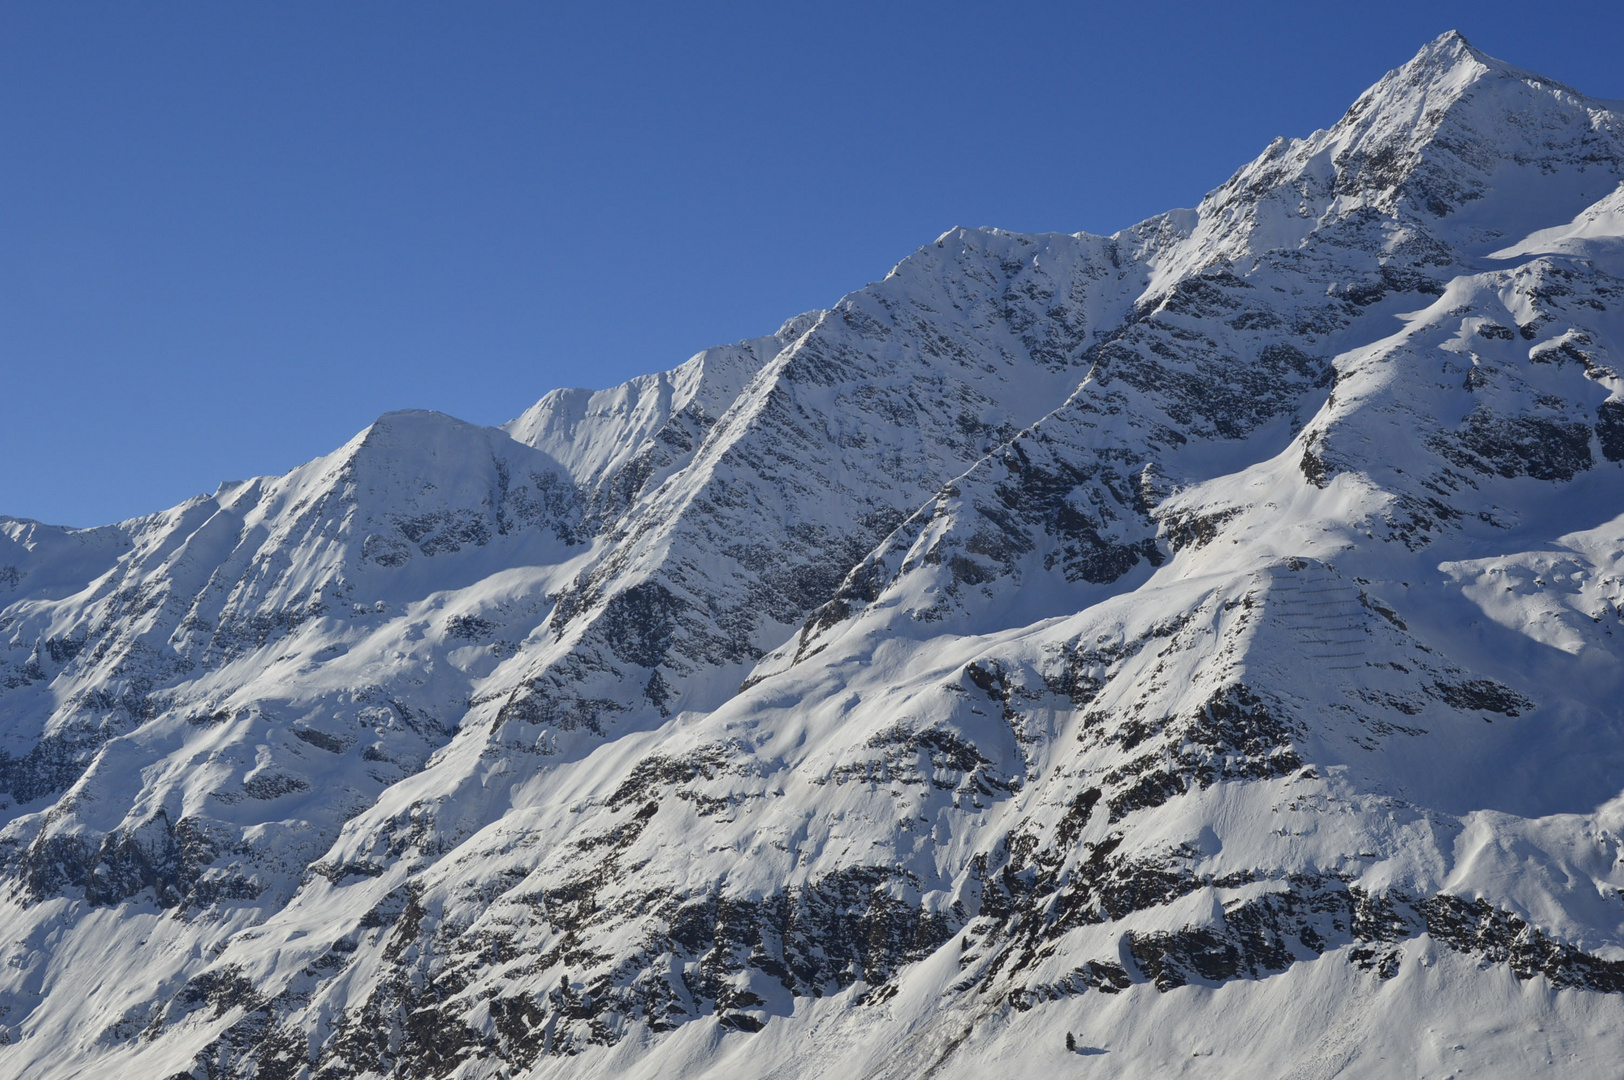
(1443,144)
(1445,51)
(1448,68)
(1416,95)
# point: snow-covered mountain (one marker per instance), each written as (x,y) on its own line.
(1194,651)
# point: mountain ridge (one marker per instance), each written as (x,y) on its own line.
(1201,637)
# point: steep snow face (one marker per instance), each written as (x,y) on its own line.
(267,645)
(834,441)
(1068,652)
(1595,231)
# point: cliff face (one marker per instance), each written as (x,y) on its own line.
(1068,652)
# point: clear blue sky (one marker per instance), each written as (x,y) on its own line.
(232,234)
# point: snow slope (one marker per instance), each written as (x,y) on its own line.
(1191,651)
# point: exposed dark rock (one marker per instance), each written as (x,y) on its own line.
(1482,694)
(1610,429)
(1234,736)
(1540,447)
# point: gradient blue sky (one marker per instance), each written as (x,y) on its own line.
(232,234)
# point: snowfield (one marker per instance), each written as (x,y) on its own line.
(1189,652)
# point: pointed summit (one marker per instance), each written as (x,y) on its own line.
(1442,144)
(1450,53)
(1440,73)
(1445,51)
(1448,135)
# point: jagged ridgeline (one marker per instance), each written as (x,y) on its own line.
(1197,648)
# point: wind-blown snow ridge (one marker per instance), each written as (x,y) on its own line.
(1073,653)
